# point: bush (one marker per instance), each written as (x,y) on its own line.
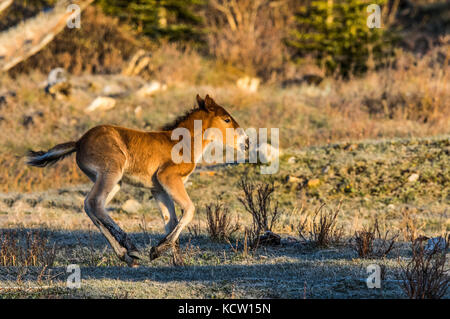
(257,200)
(323,231)
(219,222)
(372,243)
(426,275)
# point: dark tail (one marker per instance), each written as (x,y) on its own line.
(53,155)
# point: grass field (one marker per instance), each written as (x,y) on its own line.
(370,178)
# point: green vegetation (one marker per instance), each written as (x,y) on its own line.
(335,32)
(170,19)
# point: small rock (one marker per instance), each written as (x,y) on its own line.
(207,173)
(351,147)
(138,111)
(270,239)
(326,169)
(413,177)
(102,103)
(249,84)
(313,183)
(131,206)
(151,88)
(291,160)
(293,179)
(113,90)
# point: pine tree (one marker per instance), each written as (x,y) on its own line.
(170,19)
(336,34)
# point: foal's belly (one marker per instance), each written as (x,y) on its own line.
(138,180)
(143,181)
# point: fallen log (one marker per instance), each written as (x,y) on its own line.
(26,39)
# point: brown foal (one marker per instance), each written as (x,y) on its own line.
(110,154)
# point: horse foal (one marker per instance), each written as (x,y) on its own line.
(110,155)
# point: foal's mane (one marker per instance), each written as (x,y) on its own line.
(174,124)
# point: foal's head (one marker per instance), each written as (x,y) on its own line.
(220,120)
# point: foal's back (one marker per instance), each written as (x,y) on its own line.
(135,154)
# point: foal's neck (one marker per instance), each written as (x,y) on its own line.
(196,134)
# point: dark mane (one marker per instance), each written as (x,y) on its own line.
(174,124)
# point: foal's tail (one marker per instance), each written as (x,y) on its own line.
(53,155)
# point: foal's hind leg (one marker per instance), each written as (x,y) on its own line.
(95,208)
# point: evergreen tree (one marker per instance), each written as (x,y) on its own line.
(335,32)
(170,19)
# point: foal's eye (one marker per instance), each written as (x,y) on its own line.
(227,120)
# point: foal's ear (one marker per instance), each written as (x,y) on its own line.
(200,102)
(209,103)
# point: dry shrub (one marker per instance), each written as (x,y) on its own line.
(426,275)
(321,229)
(372,242)
(412,89)
(249,34)
(25,248)
(257,200)
(219,222)
(410,225)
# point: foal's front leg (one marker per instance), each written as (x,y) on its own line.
(174,186)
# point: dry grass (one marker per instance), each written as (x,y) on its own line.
(25,248)
(426,275)
(407,100)
(237,37)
